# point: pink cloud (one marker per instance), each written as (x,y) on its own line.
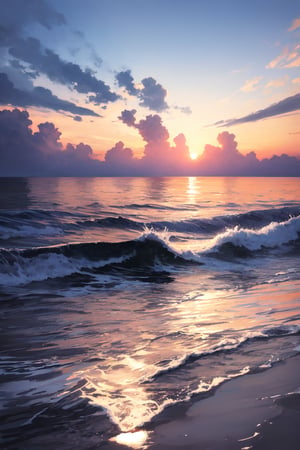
(295,24)
(251,85)
(288,58)
(279,82)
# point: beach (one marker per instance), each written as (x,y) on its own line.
(259,411)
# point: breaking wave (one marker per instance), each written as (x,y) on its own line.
(248,240)
(151,250)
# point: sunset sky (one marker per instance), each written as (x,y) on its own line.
(204,67)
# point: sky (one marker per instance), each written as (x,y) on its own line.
(122,87)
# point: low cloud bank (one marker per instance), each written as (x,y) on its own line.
(24,153)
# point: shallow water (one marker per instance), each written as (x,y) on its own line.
(121,296)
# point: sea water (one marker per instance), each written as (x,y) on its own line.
(120,297)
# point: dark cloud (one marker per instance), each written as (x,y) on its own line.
(39,97)
(31,59)
(24,153)
(16,15)
(125,79)
(77,118)
(120,161)
(289,104)
(128,117)
(119,154)
(47,62)
(152,130)
(153,95)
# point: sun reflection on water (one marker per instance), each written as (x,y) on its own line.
(133,439)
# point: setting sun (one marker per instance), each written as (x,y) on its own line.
(193,155)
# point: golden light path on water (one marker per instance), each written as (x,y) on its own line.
(117,385)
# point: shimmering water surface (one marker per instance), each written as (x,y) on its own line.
(122,296)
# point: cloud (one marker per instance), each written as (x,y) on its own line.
(119,154)
(159,156)
(277,61)
(16,15)
(295,24)
(152,130)
(153,95)
(125,79)
(184,109)
(279,82)
(288,58)
(33,59)
(24,153)
(39,97)
(296,80)
(229,161)
(128,117)
(47,62)
(289,104)
(251,85)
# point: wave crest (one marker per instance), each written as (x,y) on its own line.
(270,236)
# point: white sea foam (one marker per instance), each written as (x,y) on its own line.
(272,235)
(47,266)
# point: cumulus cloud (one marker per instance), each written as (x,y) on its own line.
(39,97)
(152,95)
(119,154)
(160,157)
(227,160)
(287,105)
(152,130)
(24,153)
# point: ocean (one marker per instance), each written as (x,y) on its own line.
(122,298)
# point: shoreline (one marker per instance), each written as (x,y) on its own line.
(258,411)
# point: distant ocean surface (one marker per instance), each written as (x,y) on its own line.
(122,296)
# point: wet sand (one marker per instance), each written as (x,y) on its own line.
(256,411)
